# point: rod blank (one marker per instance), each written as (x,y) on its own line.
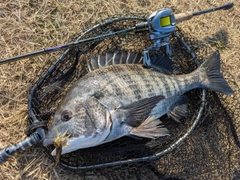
(179,18)
(188,15)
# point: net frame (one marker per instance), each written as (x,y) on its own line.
(35,123)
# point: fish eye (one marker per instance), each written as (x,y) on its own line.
(66,115)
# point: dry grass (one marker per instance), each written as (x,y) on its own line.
(30,25)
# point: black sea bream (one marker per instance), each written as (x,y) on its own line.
(127,100)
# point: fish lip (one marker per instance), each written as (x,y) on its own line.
(47,142)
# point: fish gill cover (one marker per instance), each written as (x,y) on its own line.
(209,149)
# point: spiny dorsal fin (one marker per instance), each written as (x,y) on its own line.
(162,64)
(138,111)
(159,63)
(150,128)
(118,57)
(92,64)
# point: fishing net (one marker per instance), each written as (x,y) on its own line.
(203,146)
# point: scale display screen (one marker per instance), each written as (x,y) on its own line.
(165,21)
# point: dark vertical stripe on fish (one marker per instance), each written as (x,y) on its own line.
(166,86)
(185,81)
(173,89)
(156,84)
(133,86)
(147,85)
(176,85)
(112,77)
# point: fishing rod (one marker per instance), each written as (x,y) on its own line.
(160,24)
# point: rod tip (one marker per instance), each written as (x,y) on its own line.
(228,5)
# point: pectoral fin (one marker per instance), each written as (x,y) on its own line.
(150,128)
(137,112)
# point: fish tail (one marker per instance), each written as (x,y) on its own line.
(215,80)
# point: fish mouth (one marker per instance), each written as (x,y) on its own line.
(69,143)
(50,141)
(72,144)
(64,148)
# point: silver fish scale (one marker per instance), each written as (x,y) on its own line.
(134,82)
(121,85)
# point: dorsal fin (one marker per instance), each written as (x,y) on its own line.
(162,64)
(118,57)
(159,63)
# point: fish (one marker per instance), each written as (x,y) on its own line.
(119,96)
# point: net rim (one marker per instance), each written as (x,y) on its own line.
(171,147)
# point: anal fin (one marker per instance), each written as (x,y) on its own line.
(150,128)
(179,109)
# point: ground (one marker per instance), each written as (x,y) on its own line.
(31,25)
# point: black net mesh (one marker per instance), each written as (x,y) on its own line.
(208,152)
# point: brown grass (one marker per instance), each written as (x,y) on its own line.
(30,25)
